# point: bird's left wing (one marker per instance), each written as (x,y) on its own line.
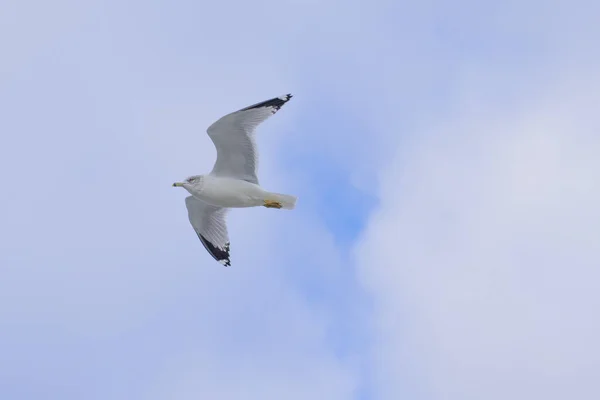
(209,223)
(233,136)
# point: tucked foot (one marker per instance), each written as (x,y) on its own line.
(272,204)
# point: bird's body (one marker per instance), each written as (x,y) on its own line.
(233,182)
(230,193)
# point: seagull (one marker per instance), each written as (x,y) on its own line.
(232,183)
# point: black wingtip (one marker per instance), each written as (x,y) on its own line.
(219,254)
(275,103)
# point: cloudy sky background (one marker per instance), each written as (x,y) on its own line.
(446,243)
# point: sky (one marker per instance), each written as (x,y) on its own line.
(446,240)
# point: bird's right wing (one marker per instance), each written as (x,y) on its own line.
(209,223)
(233,136)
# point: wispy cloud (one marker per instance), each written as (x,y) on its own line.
(482,257)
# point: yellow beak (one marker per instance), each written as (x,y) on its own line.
(177,184)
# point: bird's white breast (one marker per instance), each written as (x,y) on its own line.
(230,193)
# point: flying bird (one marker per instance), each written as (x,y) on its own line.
(232,183)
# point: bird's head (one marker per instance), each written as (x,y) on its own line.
(193,182)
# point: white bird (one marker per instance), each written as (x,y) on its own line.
(232,183)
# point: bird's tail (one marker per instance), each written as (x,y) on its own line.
(286,201)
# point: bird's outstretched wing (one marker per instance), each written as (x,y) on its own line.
(233,136)
(209,223)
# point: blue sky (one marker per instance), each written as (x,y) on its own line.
(445,243)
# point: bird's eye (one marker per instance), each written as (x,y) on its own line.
(191,180)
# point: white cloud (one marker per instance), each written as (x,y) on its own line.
(483,258)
